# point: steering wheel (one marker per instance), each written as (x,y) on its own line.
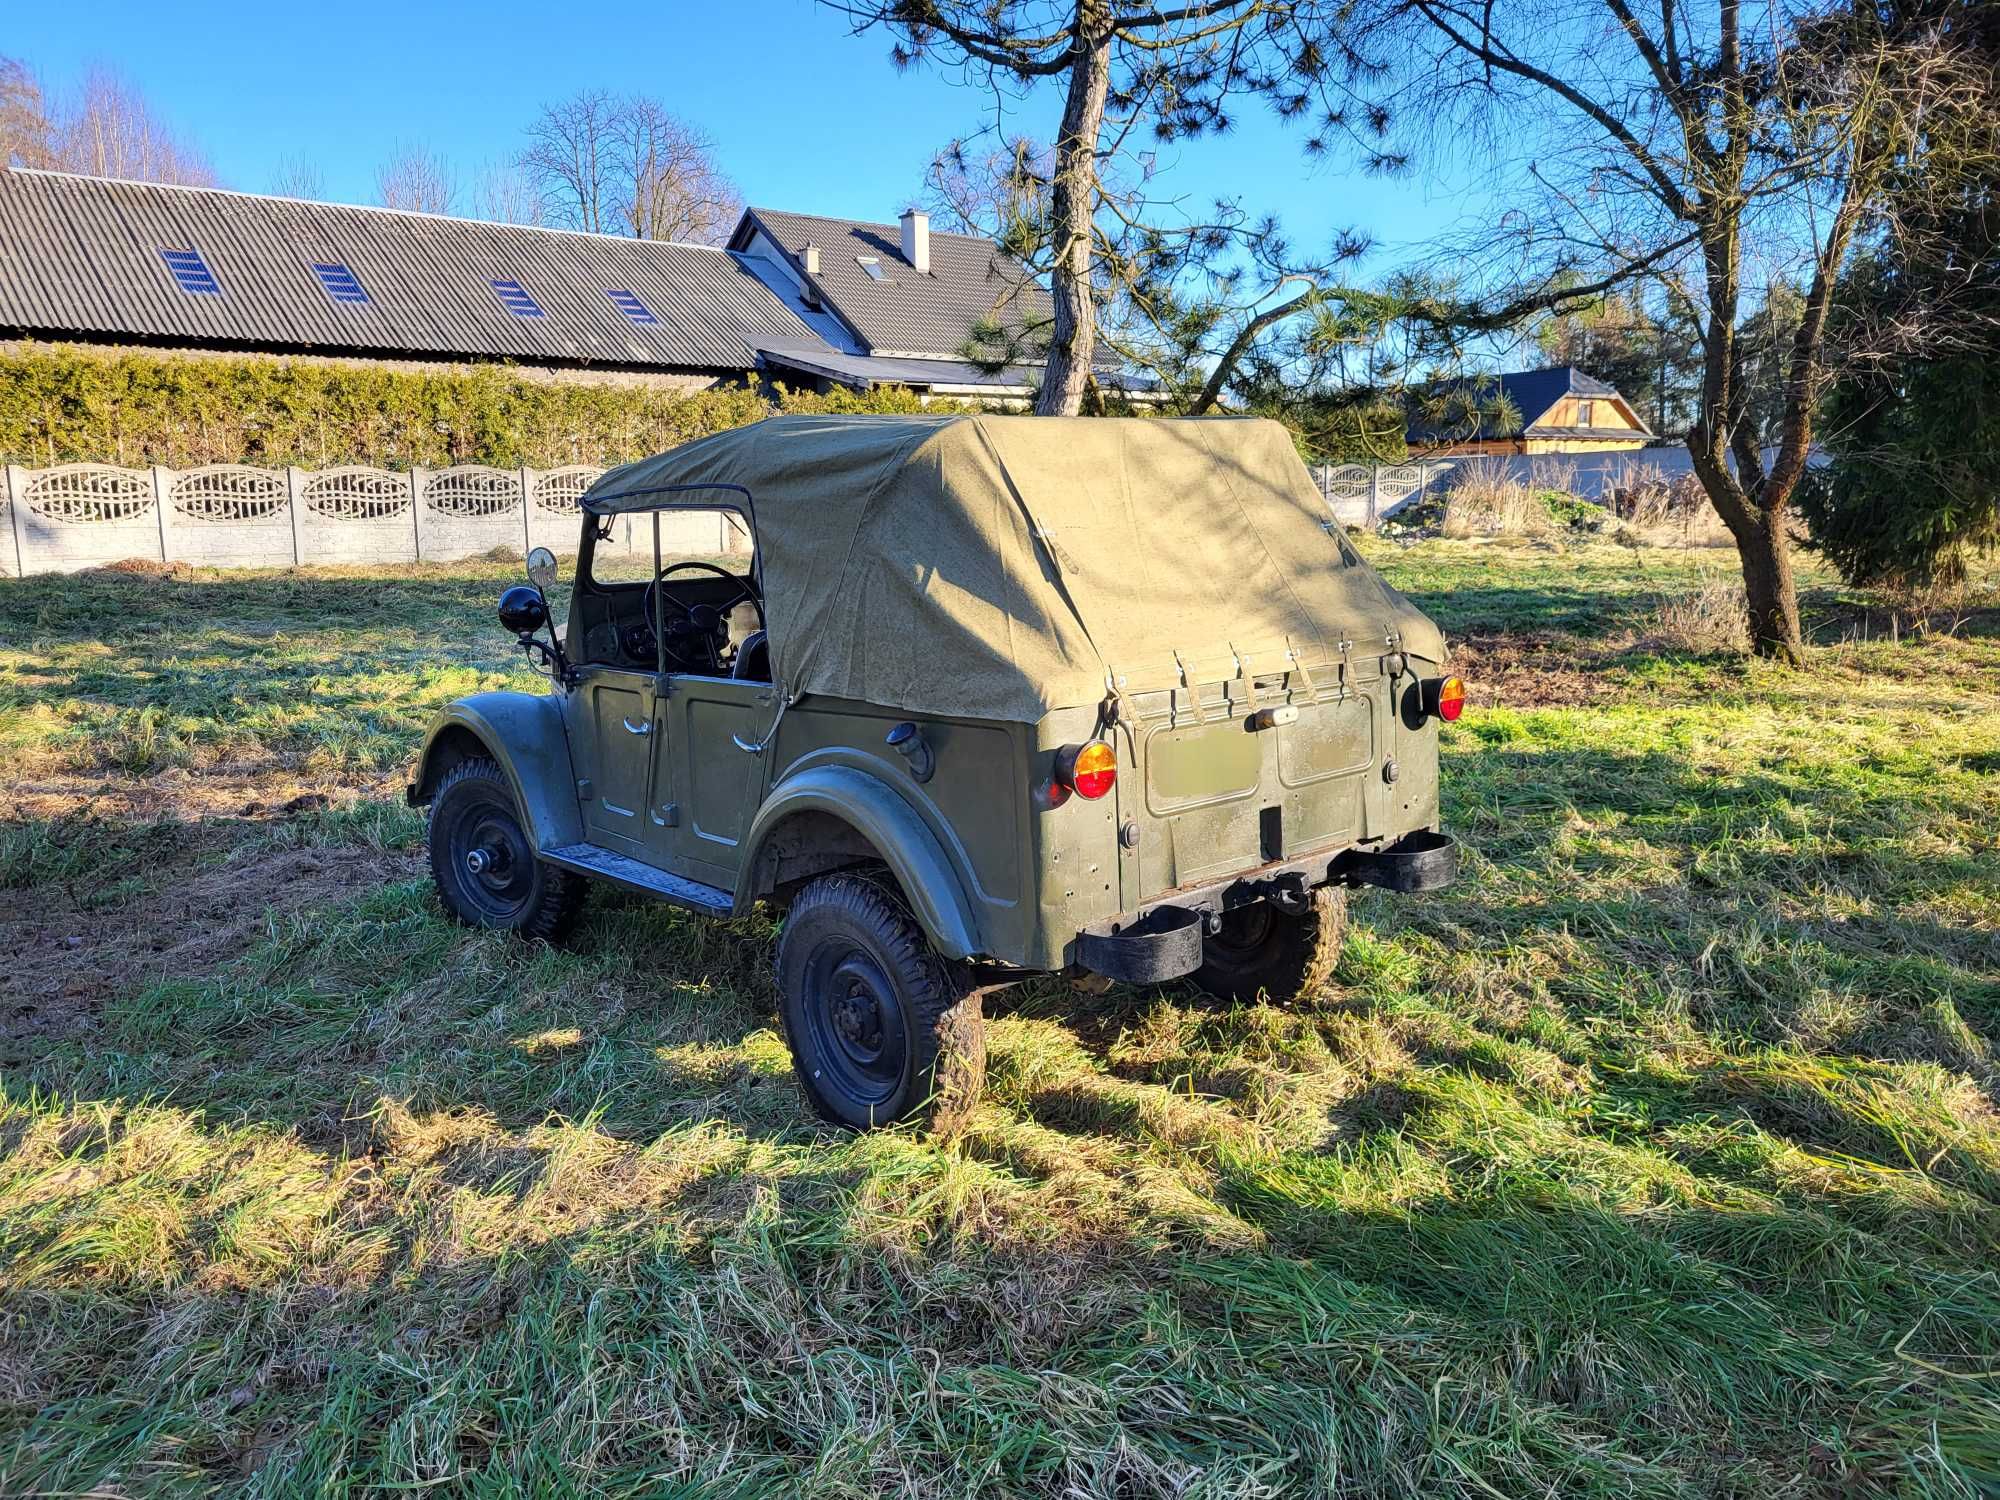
(700,627)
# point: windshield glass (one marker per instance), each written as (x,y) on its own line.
(625,555)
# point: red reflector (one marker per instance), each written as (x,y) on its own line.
(1451,699)
(1089,770)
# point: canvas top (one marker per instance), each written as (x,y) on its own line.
(999,567)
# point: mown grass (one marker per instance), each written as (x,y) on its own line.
(1660,1157)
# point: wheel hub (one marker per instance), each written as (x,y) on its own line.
(857,1016)
(488,862)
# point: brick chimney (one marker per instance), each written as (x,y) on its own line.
(917,241)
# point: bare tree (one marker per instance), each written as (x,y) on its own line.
(419,179)
(27,138)
(298,176)
(628,166)
(105,128)
(667,177)
(1696,148)
(571,159)
(505,194)
(110,130)
(1135,75)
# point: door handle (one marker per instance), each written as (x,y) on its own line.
(643,727)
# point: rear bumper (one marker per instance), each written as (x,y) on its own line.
(1162,940)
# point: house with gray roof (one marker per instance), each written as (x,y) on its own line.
(805,301)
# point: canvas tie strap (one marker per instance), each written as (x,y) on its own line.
(1299,668)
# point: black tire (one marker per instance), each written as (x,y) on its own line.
(882,1028)
(1262,949)
(484,863)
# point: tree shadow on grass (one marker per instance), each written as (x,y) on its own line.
(1513,1336)
(1431,1300)
(641,1023)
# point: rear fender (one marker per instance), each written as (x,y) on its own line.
(891,827)
(523,732)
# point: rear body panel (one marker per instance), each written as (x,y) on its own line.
(1235,778)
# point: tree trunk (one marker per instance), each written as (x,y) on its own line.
(1766,552)
(1756,520)
(1072,209)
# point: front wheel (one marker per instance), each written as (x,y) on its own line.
(882,1028)
(1283,954)
(484,864)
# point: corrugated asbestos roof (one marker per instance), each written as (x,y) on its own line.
(80,257)
(907,314)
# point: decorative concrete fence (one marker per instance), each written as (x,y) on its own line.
(231,515)
(1362,494)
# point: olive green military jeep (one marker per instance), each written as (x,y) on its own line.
(968,698)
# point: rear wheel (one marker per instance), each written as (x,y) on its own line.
(1283,954)
(882,1027)
(484,864)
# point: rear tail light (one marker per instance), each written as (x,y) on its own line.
(1090,769)
(1444,697)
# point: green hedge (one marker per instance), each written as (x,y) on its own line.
(64,405)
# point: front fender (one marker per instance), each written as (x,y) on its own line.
(524,733)
(913,854)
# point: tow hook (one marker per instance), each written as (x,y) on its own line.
(1290,895)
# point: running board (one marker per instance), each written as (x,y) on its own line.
(604,864)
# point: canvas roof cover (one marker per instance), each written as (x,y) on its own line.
(999,567)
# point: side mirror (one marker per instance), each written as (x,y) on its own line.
(522,609)
(542,569)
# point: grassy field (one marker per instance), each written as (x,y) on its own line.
(1660,1157)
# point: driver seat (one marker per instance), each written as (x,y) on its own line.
(753,658)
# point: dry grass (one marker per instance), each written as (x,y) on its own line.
(1483,501)
(1712,617)
(1658,1158)
(1659,512)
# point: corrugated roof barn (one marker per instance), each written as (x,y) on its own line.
(800,299)
(130,261)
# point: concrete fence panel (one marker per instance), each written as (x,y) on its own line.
(82,515)
(356,515)
(468,510)
(555,508)
(227,515)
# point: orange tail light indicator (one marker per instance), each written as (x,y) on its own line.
(1090,769)
(1444,697)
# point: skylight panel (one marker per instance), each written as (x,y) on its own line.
(632,307)
(514,297)
(872,264)
(192,272)
(341,284)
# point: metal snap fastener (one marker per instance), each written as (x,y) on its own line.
(1390,770)
(1129,835)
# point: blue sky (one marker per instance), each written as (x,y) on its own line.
(805,116)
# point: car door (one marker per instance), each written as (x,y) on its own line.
(717,784)
(623,723)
